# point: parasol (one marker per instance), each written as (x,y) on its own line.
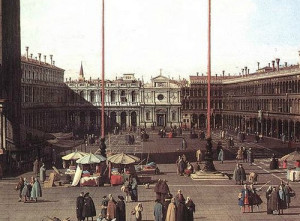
(294,156)
(90,159)
(74,156)
(122,158)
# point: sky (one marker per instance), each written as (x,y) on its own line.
(144,36)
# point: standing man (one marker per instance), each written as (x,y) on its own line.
(36,167)
(183,144)
(242,174)
(250,157)
(158,213)
(157,189)
(43,173)
(164,190)
(134,189)
(104,207)
(89,209)
(221,155)
(199,155)
(121,209)
(79,206)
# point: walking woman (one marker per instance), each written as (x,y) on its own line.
(171,212)
(138,212)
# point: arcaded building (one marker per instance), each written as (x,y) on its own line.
(266,101)
(44,94)
(122,102)
(129,102)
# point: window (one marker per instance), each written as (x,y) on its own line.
(160,97)
(147,115)
(92,96)
(133,96)
(123,97)
(173,116)
(113,96)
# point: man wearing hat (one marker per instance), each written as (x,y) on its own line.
(121,209)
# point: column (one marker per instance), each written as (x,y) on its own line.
(128,119)
(271,128)
(282,132)
(289,130)
(294,135)
(266,129)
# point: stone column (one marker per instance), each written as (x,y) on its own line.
(127,119)
(289,130)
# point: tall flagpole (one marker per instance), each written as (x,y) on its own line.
(103,81)
(209,69)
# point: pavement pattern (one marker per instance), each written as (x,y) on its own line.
(215,200)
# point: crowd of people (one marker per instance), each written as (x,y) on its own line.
(279,198)
(29,191)
(184,167)
(169,208)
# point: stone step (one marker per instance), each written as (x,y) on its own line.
(209,176)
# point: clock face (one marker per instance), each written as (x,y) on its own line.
(160,97)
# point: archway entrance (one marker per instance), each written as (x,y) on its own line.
(133,119)
(160,119)
(123,120)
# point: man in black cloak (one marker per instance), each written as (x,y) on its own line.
(79,206)
(88,207)
(121,209)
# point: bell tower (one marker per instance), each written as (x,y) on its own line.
(10,75)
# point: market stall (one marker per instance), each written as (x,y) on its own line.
(88,171)
(69,159)
(293,174)
(121,167)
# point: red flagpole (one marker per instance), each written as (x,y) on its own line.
(103,81)
(209,68)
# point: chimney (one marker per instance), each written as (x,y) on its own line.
(197,73)
(223,72)
(36,58)
(299,57)
(45,58)
(31,56)
(285,64)
(245,70)
(269,65)
(216,76)
(40,57)
(53,63)
(69,78)
(66,79)
(257,65)
(229,74)
(273,65)
(277,62)
(242,71)
(51,58)
(248,71)
(27,48)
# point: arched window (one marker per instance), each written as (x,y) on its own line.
(133,96)
(173,116)
(92,96)
(113,96)
(147,115)
(123,96)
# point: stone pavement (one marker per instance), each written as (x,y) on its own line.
(215,200)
